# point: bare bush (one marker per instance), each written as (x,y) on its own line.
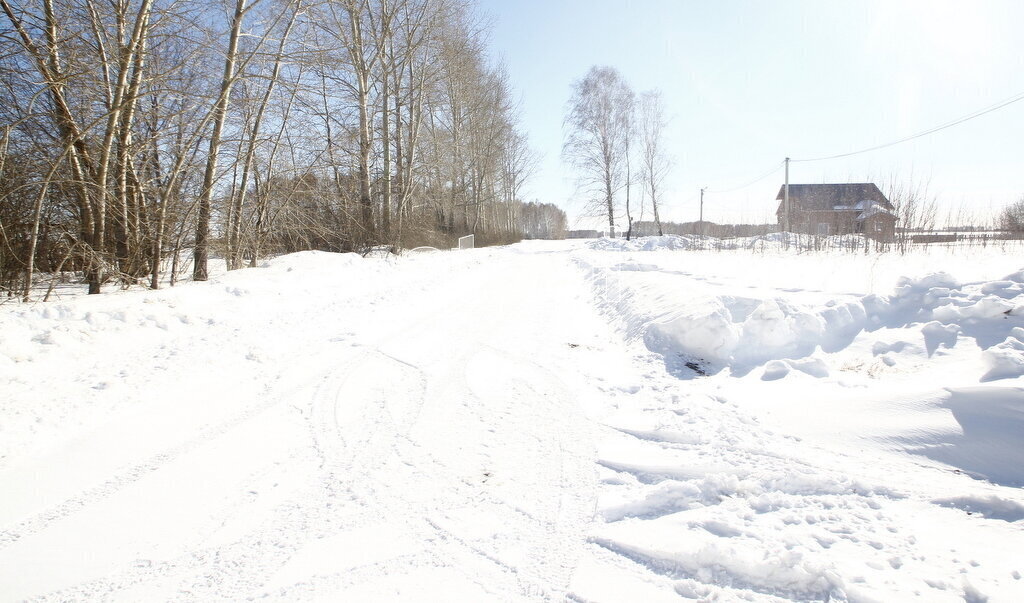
(1011,218)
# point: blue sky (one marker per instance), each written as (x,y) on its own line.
(747,83)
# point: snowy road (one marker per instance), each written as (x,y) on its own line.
(423,438)
(505,424)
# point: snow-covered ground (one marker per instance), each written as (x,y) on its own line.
(591,420)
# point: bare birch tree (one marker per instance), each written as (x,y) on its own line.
(654,163)
(201,257)
(251,143)
(597,129)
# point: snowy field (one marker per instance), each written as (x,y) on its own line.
(586,420)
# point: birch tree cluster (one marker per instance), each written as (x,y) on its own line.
(543,221)
(614,141)
(139,139)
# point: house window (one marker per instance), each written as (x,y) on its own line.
(878,227)
(822,229)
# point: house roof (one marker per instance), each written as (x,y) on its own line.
(834,197)
(873,208)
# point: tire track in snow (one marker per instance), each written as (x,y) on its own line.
(380,459)
(274,393)
(345,456)
(284,389)
(372,435)
(348,467)
(125,478)
(241,568)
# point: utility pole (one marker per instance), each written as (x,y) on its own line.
(785,199)
(701,221)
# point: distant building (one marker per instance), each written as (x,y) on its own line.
(835,209)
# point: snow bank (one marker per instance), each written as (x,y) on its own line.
(1005,360)
(706,333)
(715,332)
(669,242)
(724,332)
(771,241)
(826,428)
(141,333)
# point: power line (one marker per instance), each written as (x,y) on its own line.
(949,124)
(774,169)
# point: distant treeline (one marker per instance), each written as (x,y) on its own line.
(542,221)
(720,231)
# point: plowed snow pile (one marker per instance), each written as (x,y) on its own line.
(592,421)
(830,430)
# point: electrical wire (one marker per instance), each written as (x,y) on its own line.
(943,126)
(751,183)
(933,130)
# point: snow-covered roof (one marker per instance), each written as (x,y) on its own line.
(874,210)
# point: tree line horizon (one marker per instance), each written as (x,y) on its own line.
(136,130)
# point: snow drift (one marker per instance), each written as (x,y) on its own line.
(991,445)
(740,333)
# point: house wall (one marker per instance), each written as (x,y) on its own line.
(881,227)
(823,222)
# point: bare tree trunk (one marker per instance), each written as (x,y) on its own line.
(657,219)
(202,251)
(120,100)
(654,165)
(37,214)
(386,51)
(332,159)
(399,180)
(262,200)
(610,201)
(162,199)
(235,229)
(90,202)
(128,232)
(361,72)
(174,259)
(413,128)
(629,216)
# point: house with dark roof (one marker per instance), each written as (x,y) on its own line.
(835,209)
